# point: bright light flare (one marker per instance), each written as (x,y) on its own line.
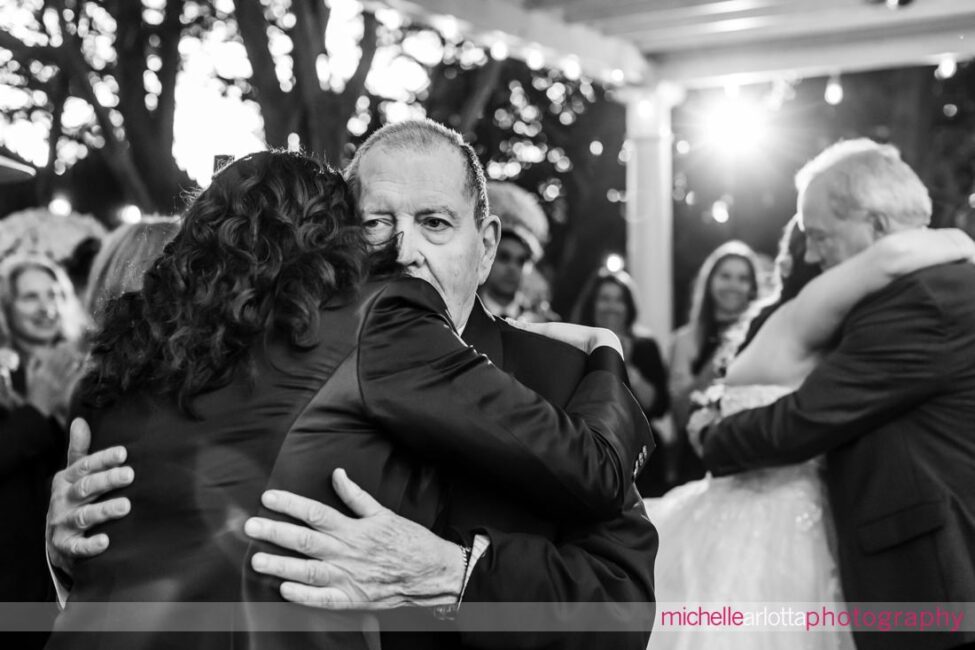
(614,263)
(499,51)
(60,205)
(834,91)
(721,211)
(947,68)
(130,214)
(736,127)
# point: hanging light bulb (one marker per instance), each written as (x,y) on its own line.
(834,91)
(614,263)
(720,211)
(947,68)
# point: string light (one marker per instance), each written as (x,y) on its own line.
(60,205)
(614,263)
(834,91)
(947,68)
(720,211)
(130,214)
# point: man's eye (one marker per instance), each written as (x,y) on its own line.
(435,223)
(373,225)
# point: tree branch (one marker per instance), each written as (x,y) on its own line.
(369,45)
(43,53)
(170,33)
(58,98)
(264,80)
(309,43)
(473,109)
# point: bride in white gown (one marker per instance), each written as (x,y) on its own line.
(765,536)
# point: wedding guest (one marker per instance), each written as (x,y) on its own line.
(38,366)
(524,230)
(725,287)
(608,300)
(125,256)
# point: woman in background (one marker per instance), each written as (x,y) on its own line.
(725,287)
(608,300)
(40,326)
(125,256)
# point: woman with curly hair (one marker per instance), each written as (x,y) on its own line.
(259,338)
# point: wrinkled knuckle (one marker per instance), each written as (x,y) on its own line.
(306,542)
(80,519)
(75,547)
(315,515)
(84,465)
(314,575)
(82,488)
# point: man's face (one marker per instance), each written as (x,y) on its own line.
(829,239)
(419,198)
(508,270)
(35,313)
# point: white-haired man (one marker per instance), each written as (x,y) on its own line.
(890,406)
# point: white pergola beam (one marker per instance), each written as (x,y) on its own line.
(599,56)
(807,58)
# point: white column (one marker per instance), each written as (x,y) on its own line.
(649,210)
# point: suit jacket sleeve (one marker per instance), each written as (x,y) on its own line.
(439,397)
(601,574)
(892,356)
(26,434)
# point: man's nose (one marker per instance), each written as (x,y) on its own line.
(407,252)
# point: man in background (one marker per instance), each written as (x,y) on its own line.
(524,231)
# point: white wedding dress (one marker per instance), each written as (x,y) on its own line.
(758,537)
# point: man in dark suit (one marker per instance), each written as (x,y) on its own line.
(891,406)
(514,554)
(517,556)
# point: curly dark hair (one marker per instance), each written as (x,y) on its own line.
(794,274)
(272,239)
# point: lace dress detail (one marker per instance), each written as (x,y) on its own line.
(760,537)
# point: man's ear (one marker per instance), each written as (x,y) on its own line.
(881,224)
(490,234)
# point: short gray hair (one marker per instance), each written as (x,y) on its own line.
(420,136)
(863,175)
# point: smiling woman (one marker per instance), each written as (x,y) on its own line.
(725,286)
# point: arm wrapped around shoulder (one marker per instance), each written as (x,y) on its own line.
(908,251)
(439,397)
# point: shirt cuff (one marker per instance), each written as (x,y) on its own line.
(478,548)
